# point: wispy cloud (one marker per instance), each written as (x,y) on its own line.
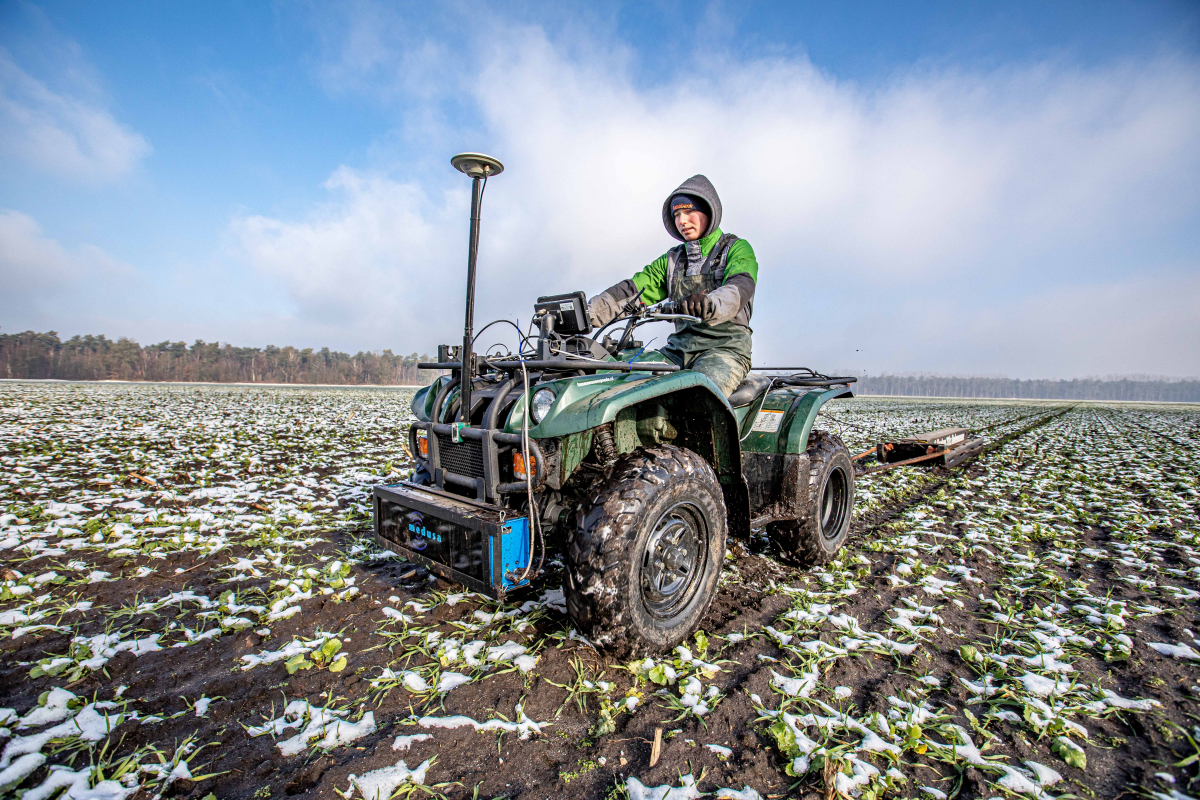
(868,207)
(35,268)
(66,133)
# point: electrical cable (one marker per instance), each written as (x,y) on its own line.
(533,515)
(542,554)
(644,349)
(528,335)
(493,322)
(630,306)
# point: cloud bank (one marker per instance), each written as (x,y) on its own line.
(1031,220)
(41,278)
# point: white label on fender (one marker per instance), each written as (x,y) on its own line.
(767,421)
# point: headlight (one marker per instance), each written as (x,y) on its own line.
(542,400)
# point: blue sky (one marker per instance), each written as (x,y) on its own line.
(966,188)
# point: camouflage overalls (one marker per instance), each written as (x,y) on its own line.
(721,352)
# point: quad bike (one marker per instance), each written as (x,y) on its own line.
(635,470)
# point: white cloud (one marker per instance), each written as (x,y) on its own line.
(46,284)
(65,133)
(1003,190)
(368,260)
(927,176)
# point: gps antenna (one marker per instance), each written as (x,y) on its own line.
(479,167)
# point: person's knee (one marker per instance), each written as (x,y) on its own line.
(729,384)
(723,371)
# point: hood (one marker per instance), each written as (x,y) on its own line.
(697,186)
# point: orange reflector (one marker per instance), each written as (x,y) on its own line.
(423,444)
(519,465)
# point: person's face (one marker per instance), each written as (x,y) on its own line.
(691,224)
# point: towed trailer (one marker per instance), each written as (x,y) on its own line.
(634,470)
(945,447)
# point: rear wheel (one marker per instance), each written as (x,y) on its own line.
(825,502)
(646,554)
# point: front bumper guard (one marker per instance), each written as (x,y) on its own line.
(488,485)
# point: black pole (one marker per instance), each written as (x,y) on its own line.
(467,372)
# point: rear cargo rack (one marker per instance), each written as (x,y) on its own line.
(805,376)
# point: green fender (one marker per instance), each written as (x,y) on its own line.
(797,410)
(422,402)
(589,401)
(696,408)
(774,450)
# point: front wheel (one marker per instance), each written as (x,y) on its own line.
(826,499)
(643,562)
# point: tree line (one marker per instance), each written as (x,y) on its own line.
(1117,388)
(81,358)
(89,358)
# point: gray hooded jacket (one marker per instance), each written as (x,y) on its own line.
(733,301)
(696,186)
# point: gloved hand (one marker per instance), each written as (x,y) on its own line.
(697,305)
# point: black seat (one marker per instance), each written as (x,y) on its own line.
(749,390)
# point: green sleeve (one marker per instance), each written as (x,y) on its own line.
(652,280)
(741,261)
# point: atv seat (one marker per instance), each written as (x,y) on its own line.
(749,390)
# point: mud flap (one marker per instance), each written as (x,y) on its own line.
(737,503)
(778,485)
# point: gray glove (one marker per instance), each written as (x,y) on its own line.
(602,309)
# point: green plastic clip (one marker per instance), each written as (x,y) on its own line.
(455,427)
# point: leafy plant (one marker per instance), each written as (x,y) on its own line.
(324,657)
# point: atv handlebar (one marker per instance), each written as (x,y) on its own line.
(669,310)
(672,317)
(589,363)
(564,364)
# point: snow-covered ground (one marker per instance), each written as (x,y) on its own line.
(999,623)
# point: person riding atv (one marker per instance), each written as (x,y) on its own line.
(712,276)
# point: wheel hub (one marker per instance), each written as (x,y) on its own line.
(676,560)
(673,556)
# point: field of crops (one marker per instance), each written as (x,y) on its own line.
(191,605)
